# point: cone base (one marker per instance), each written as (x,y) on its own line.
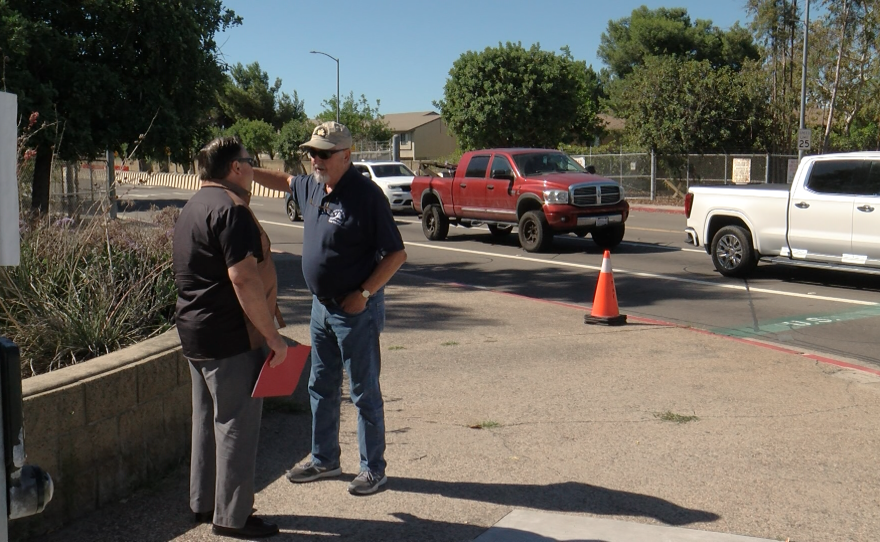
(618,320)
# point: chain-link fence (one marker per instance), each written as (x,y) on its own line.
(644,175)
(83,185)
(371,150)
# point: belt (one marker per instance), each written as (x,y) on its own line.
(326,301)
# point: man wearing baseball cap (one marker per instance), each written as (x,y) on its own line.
(351,249)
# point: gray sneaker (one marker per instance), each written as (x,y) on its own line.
(366,483)
(309,472)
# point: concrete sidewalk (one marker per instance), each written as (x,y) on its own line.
(509,419)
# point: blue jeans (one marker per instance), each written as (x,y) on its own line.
(351,341)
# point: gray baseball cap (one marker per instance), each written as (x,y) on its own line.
(327,136)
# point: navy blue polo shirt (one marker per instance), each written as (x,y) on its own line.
(347,232)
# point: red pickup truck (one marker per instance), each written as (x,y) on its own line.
(543,192)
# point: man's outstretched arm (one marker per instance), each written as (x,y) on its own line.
(272,179)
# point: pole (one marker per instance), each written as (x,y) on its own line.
(804,74)
(111,183)
(338,97)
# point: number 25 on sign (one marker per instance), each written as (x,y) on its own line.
(803,139)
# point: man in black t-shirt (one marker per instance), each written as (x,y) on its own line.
(351,248)
(226,310)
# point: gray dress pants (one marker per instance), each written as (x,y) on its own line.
(225,431)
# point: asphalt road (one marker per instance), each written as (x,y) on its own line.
(657,276)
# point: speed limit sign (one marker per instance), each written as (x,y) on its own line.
(804,135)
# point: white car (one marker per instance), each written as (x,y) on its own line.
(393,178)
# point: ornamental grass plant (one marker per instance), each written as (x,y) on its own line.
(86,287)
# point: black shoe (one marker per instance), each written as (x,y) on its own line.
(254,527)
(204,517)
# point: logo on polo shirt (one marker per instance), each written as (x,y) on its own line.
(337,217)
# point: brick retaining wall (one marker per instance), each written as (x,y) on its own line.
(104,427)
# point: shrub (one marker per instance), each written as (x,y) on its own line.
(84,289)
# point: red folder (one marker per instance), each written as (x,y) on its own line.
(280,381)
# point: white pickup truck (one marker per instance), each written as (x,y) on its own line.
(828,217)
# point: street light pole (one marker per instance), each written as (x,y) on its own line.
(337,80)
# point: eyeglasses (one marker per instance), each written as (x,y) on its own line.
(247,159)
(322,154)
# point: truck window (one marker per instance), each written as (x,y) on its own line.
(392,170)
(500,166)
(874,178)
(477,167)
(841,177)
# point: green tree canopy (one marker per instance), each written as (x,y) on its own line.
(287,142)
(677,106)
(509,96)
(247,95)
(364,121)
(110,71)
(257,136)
(628,41)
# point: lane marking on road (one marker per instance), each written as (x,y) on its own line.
(647,275)
(640,274)
(628,228)
(670,249)
(585,240)
(780,325)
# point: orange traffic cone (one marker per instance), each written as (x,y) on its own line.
(605,302)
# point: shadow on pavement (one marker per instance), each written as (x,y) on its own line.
(565,497)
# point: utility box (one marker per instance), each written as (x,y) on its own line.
(26,489)
(10,244)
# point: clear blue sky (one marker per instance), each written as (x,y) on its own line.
(400,52)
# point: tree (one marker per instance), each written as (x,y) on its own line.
(844,74)
(111,71)
(509,96)
(257,136)
(676,106)
(776,26)
(363,120)
(247,95)
(669,32)
(287,142)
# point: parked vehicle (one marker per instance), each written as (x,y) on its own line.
(543,192)
(394,178)
(291,208)
(829,217)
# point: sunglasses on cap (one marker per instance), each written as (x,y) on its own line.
(322,154)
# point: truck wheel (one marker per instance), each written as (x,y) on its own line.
(500,231)
(534,232)
(292,212)
(609,237)
(435,224)
(732,251)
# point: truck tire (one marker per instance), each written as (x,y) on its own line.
(732,252)
(608,238)
(500,231)
(534,232)
(435,224)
